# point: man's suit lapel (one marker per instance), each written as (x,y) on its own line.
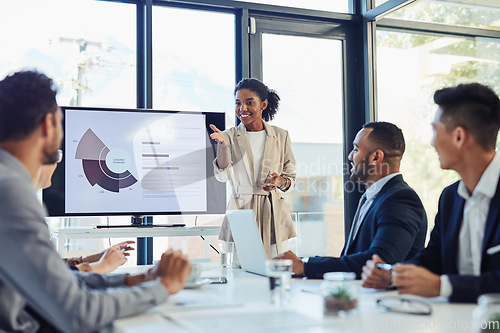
(452,234)
(376,202)
(491,220)
(245,151)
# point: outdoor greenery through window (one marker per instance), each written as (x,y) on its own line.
(475,14)
(405,90)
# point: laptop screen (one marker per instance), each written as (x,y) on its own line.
(247,240)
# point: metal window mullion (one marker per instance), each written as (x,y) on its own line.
(144,65)
(242,45)
(355,114)
(141,55)
(437,29)
(264,8)
(144,99)
(149,54)
(256,51)
(370,64)
(386,8)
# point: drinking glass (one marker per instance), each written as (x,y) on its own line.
(226,250)
(280,281)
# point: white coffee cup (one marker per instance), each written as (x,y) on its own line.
(195,273)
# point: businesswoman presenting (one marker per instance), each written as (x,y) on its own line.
(257,159)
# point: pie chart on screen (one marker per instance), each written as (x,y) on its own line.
(103,166)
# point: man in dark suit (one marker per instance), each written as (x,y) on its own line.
(390,219)
(462,259)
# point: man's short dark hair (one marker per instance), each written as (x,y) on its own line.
(388,137)
(26,97)
(474,107)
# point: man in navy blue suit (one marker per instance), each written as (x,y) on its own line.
(390,219)
(462,259)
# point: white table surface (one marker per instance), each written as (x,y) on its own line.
(243,305)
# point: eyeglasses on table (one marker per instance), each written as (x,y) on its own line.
(404,305)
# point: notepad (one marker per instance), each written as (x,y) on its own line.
(252,321)
(190,300)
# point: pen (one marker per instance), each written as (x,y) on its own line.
(387,267)
(493,250)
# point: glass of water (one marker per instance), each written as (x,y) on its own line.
(280,281)
(226,250)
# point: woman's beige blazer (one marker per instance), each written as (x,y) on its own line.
(271,211)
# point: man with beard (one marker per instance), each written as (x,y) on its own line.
(38,293)
(390,220)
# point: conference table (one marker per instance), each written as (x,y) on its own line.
(243,304)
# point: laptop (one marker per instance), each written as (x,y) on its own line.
(247,240)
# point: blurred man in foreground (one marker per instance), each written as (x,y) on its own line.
(37,291)
(103,262)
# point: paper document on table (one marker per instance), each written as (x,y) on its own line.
(187,300)
(151,323)
(244,319)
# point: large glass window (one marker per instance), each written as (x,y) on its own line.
(91,58)
(311,111)
(478,14)
(410,67)
(193,60)
(193,70)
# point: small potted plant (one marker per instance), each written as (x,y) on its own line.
(339,294)
(492,325)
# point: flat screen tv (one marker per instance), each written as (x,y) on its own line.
(136,162)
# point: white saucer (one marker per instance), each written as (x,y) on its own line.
(197,284)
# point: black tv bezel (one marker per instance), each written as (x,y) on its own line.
(54,196)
